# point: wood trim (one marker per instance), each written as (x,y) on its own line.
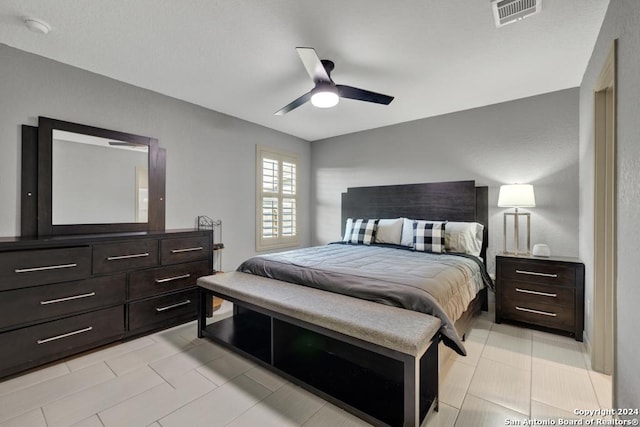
(604,275)
(482,216)
(45,129)
(157,186)
(29,182)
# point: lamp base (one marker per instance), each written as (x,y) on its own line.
(516,253)
(516,232)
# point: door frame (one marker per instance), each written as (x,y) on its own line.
(604,245)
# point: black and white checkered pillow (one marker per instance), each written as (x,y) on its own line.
(363,231)
(428,236)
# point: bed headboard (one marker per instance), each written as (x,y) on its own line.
(439,201)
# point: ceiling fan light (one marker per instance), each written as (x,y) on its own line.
(325,98)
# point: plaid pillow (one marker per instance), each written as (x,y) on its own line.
(428,236)
(363,231)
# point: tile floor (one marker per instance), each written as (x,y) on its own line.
(171,378)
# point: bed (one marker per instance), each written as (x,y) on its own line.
(376,272)
(391,273)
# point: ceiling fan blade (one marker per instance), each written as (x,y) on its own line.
(313,64)
(294,104)
(363,95)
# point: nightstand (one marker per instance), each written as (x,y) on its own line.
(547,292)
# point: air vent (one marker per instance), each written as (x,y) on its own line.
(509,11)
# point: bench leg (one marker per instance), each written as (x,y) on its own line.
(202,311)
(411,392)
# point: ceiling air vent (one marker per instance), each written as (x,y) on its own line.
(509,11)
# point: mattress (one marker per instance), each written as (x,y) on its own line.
(441,285)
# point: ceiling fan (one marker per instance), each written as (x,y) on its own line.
(326,93)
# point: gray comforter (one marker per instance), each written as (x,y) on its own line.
(441,285)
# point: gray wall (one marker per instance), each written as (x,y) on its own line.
(622,21)
(210,156)
(532,140)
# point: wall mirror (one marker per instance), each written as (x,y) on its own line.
(91,180)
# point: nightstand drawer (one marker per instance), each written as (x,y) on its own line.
(112,257)
(551,316)
(523,293)
(156,281)
(539,272)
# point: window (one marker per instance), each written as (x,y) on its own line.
(277,199)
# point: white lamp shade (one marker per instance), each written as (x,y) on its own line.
(516,196)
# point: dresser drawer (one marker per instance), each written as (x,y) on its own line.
(174,251)
(161,280)
(27,347)
(112,257)
(534,312)
(161,311)
(539,272)
(38,267)
(42,302)
(523,293)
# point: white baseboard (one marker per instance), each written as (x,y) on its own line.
(586,342)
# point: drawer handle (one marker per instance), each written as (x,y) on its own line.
(529,310)
(169,307)
(535,273)
(115,258)
(179,251)
(68,334)
(170,279)
(49,267)
(544,294)
(54,301)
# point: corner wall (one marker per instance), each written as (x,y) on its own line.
(622,21)
(210,156)
(532,140)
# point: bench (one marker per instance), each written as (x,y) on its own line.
(375,361)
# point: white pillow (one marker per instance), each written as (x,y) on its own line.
(389,231)
(348,229)
(407,232)
(465,237)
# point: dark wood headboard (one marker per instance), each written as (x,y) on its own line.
(438,201)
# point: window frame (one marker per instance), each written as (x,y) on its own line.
(280,241)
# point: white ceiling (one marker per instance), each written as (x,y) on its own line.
(238,56)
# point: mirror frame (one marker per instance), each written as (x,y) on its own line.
(41,149)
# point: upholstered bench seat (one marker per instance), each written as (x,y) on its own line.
(395,328)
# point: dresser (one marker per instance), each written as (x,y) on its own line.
(546,292)
(63,295)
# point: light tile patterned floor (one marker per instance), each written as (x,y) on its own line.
(171,378)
